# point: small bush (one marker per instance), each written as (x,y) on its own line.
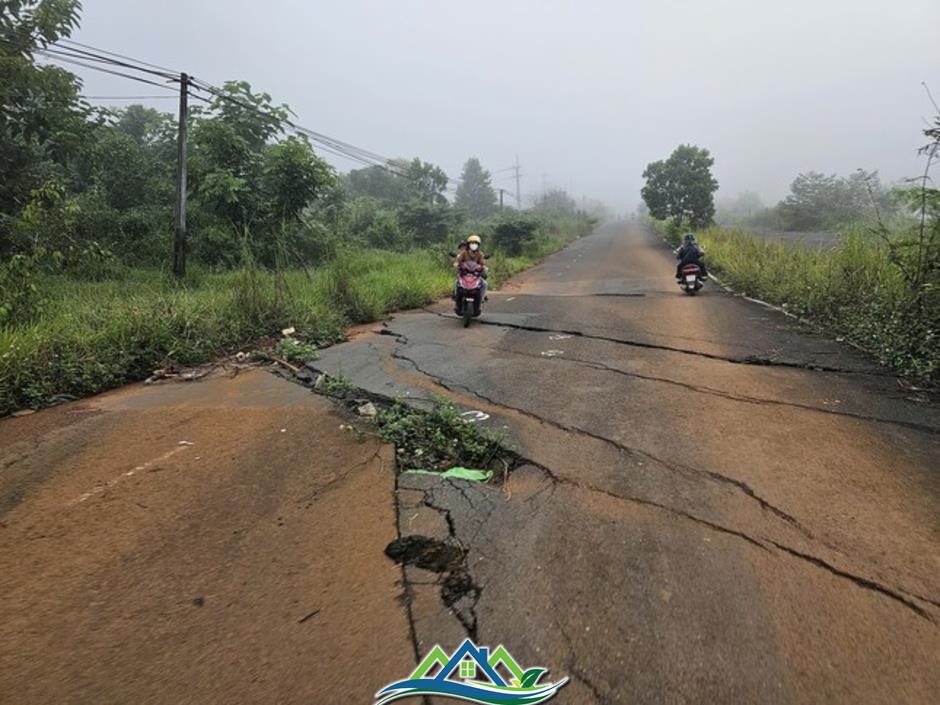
(20,299)
(512,233)
(295,351)
(439,439)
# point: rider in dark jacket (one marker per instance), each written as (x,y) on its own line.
(690,253)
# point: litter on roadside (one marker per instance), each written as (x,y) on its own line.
(456,473)
(368,410)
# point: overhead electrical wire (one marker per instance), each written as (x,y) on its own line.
(129,97)
(329,144)
(329,149)
(83,53)
(52,57)
(76,53)
(92,56)
(67,42)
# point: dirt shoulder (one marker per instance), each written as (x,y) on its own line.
(215,541)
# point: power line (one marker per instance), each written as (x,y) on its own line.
(91,56)
(52,57)
(322,147)
(329,144)
(128,97)
(120,56)
(78,54)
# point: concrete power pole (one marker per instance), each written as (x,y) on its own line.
(179,241)
(518,190)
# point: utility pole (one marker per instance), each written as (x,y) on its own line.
(501,191)
(518,190)
(179,241)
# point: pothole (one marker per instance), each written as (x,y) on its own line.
(426,553)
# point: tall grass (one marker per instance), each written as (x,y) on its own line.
(854,288)
(94,335)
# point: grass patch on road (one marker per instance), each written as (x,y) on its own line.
(438,439)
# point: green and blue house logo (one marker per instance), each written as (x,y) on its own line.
(472,674)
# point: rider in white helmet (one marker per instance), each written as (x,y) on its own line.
(470,252)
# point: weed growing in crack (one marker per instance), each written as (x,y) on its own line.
(438,439)
(296,351)
(337,386)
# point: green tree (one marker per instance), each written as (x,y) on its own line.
(144,125)
(244,180)
(45,122)
(556,201)
(425,182)
(682,188)
(293,177)
(475,194)
(511,232)
(399,182)
(819,201)
(377,182)
(427,224)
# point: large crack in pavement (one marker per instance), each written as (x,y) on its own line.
(620,447)
(900,595)
(686,386)
(459,591)
(406,597)
(574,668)
(903,597)
(741,360)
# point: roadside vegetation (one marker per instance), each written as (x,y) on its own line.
(438,439)
(277,238)
(878,286)
(816,202)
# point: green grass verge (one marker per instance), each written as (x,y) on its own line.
(853,288)
(93,336)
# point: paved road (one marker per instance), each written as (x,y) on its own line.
(217,541)
(717,507)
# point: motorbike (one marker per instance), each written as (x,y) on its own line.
(468,299)
(691,279)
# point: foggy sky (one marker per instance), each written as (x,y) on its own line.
(586,93)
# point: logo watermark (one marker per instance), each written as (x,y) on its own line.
(475,675)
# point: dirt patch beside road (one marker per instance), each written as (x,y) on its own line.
(213,542)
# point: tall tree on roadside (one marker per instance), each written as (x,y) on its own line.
(556,200)
(819,201)
(44,122)
(425,182)
(475,194)
(682,188)
(400,182)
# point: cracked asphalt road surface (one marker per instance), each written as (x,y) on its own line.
(719,505)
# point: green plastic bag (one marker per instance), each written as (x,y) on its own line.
(457,473)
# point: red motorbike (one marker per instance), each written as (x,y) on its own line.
(468,294)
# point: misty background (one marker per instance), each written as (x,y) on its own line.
(586,93)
